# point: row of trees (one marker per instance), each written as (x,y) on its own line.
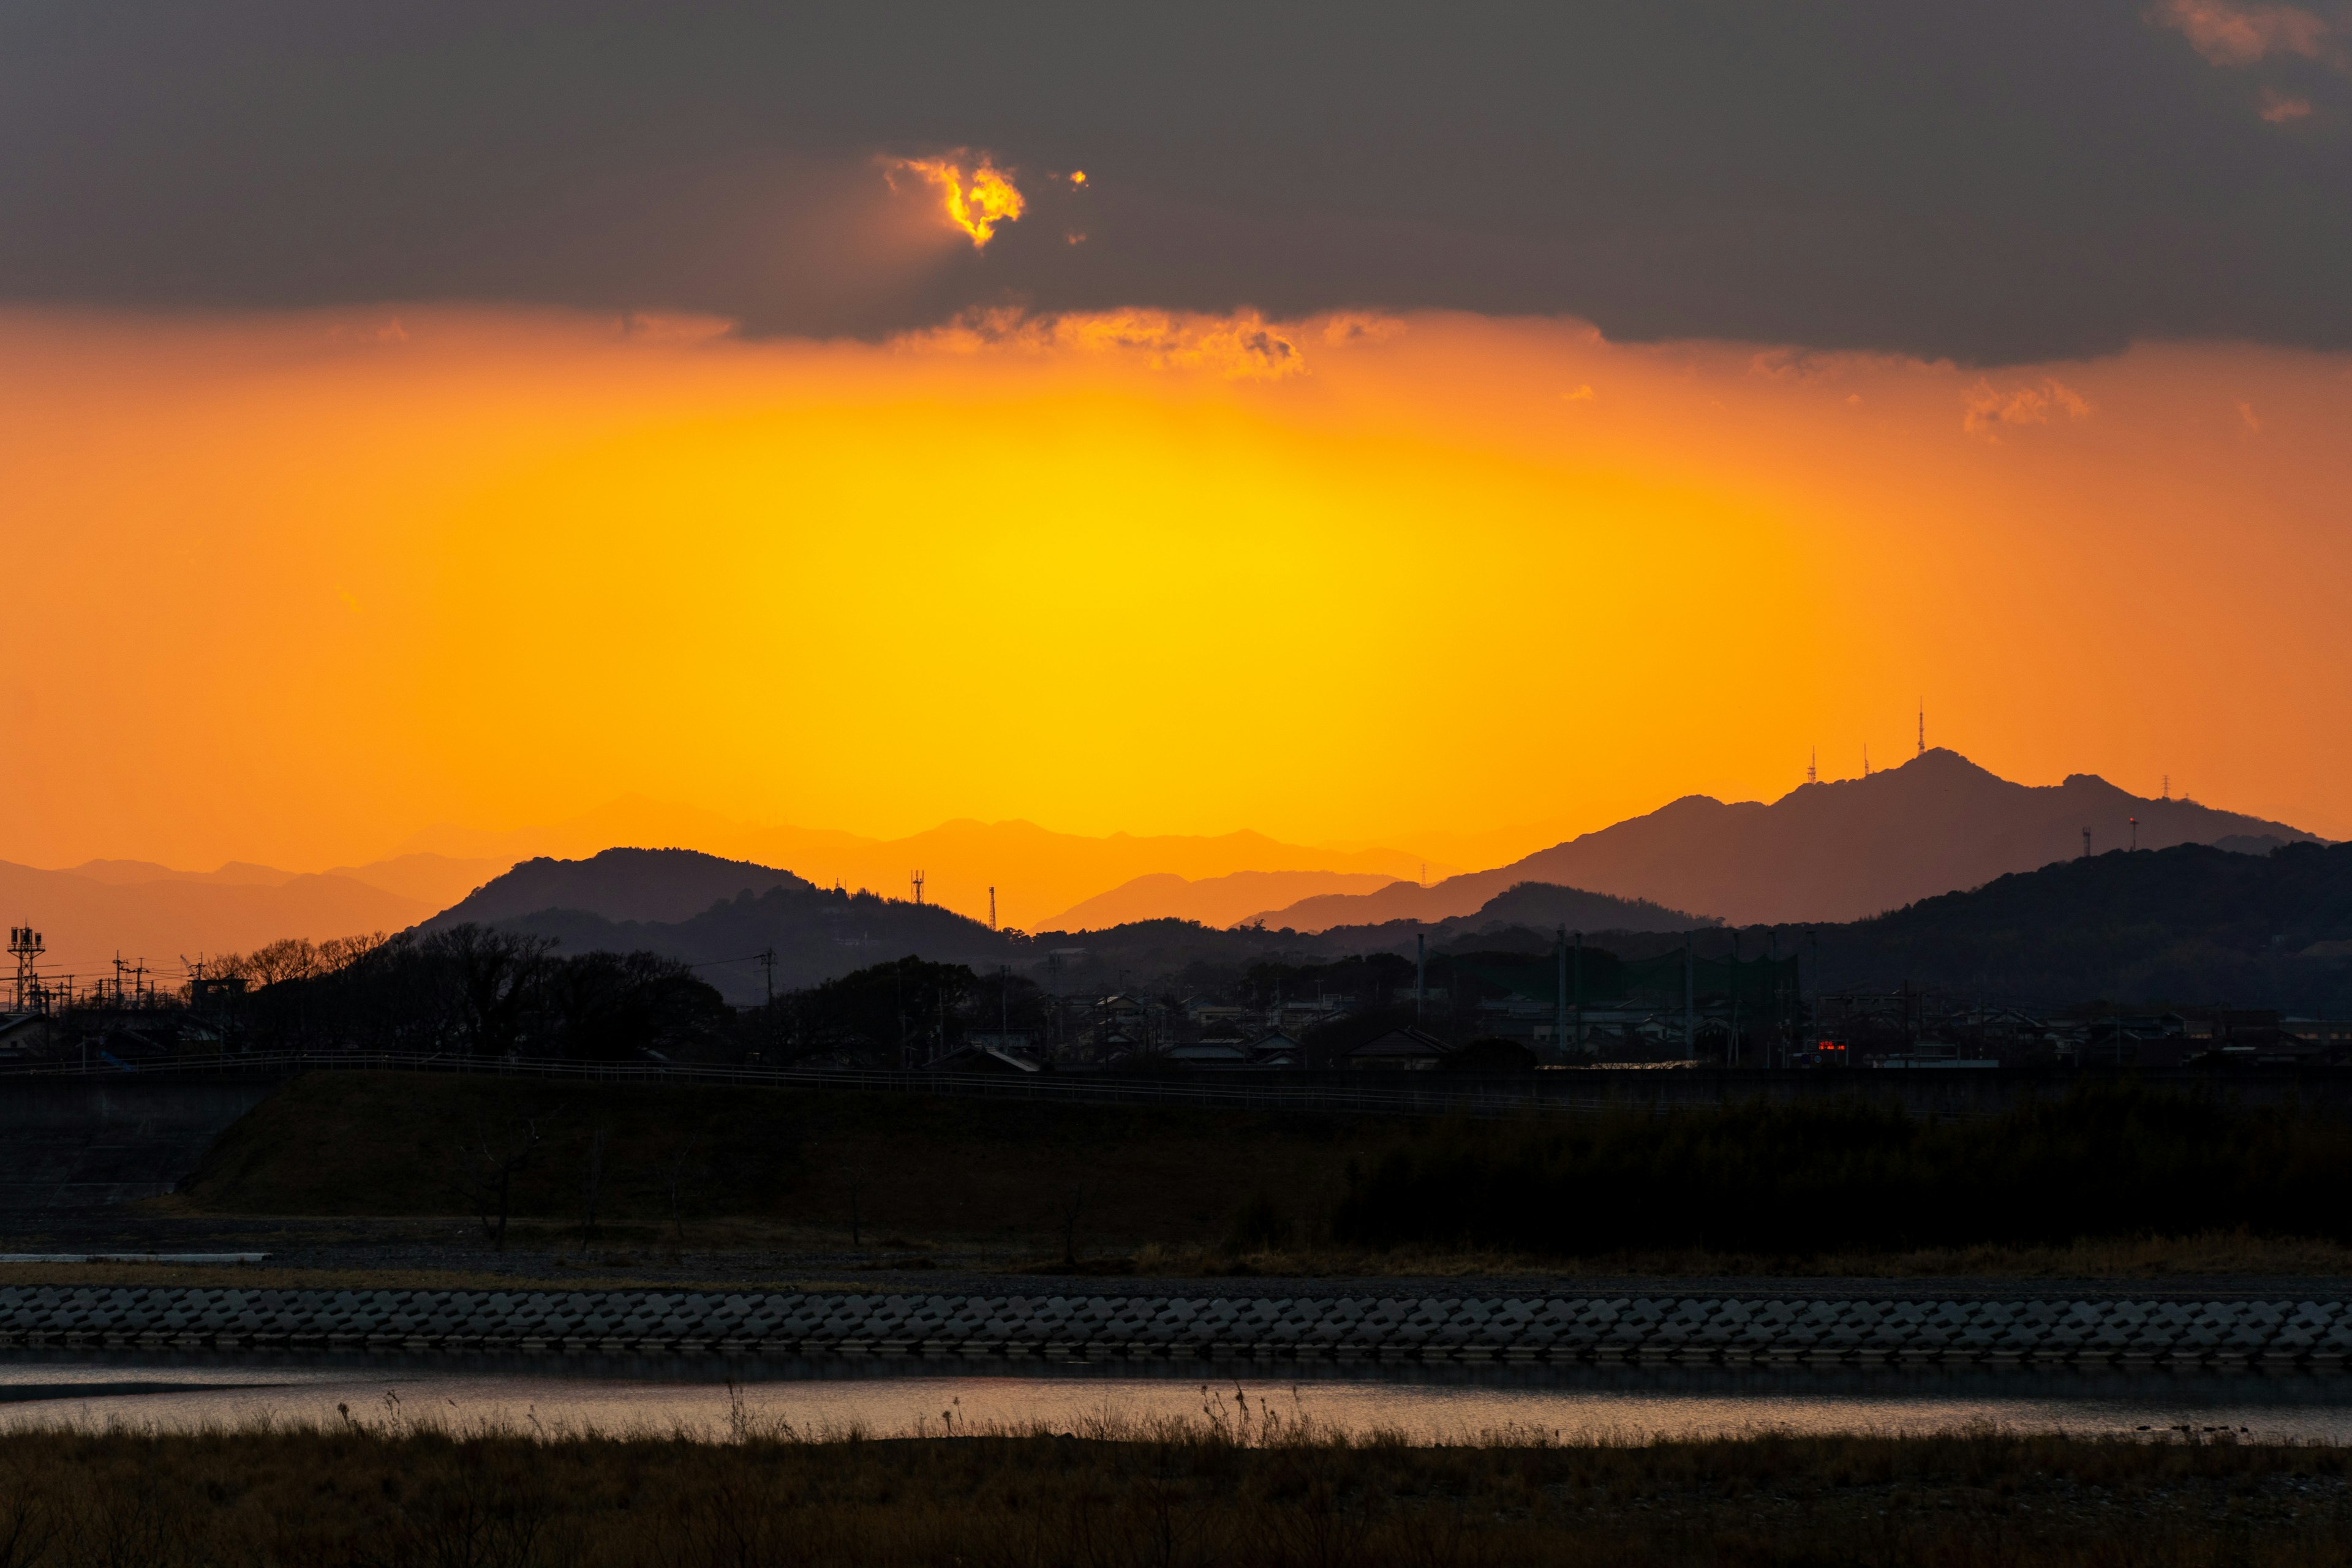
(477,991)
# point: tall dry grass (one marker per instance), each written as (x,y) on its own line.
(1243,1487)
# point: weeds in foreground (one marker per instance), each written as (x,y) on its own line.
(1243,1484)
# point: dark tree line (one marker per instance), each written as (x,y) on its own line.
(474,991)
(902,1013)
(479,991)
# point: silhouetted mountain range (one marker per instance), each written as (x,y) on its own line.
(2191,923)
(1036,871)
(1837,851)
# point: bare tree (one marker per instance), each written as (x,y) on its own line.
(500,1161)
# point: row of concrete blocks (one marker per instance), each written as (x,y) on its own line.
(1689,1329)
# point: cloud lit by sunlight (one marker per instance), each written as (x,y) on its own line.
(974,199)
(1986,409)
(1242,346)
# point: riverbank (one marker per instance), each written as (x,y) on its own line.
(1235,1489)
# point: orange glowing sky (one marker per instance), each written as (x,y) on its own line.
(289,587)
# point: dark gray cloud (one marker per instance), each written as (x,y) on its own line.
(2005,180)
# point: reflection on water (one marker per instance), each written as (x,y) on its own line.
(712,1398)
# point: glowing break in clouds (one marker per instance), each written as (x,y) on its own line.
(975,200)
(2229,35)
(1243,346)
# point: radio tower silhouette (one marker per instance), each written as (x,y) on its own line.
(25,945)
(915,878)
(1923,726)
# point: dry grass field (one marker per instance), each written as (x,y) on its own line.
(1210,1493)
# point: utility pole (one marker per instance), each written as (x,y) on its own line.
(1731,1040)
(1690,999)
(768,963)
(1559,1009)
(1579,993)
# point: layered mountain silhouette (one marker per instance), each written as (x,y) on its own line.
(2192,923)
(717,914)
(1037,873)
(88,918)
(1837,851)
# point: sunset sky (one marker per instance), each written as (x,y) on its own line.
(1428,420)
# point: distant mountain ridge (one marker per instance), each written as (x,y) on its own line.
(1835,851)
(1036,872)
(87,920)
(1212,900)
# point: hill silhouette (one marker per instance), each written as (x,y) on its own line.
(2188,924)
(640,885)
(1834,851)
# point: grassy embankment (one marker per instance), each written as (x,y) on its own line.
(2120,1183)
(1199,1496)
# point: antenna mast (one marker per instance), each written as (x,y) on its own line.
(25,945)
(915,878)
(1814,766)
(991,909)
(1923,726)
